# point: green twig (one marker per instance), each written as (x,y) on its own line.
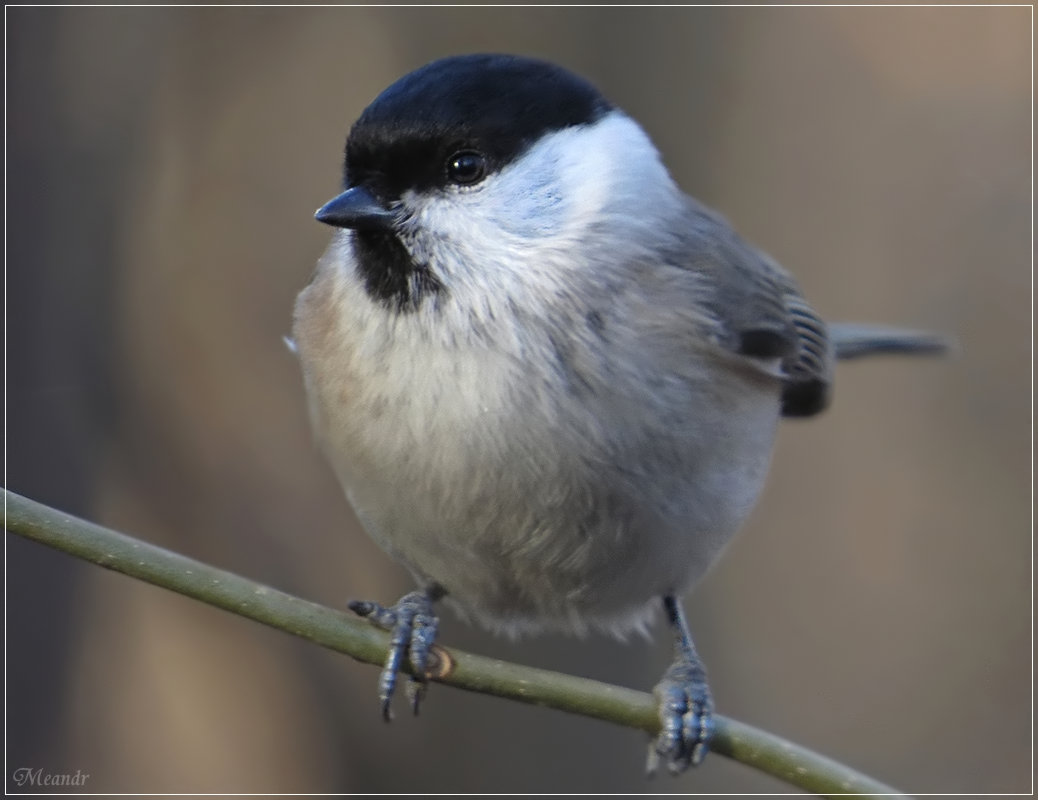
(346,634)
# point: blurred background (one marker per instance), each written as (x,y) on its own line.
(163,168)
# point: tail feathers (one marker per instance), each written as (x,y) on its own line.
(853,340)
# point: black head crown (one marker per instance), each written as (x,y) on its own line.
(489,108)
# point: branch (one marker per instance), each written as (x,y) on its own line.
(346,634)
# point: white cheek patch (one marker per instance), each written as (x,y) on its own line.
(571,179)
(538,212)
(525,203)
(610,170)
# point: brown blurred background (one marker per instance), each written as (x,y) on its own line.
(163,169)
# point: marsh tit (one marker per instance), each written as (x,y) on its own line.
(547,379)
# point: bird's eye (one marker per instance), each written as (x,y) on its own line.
(466,167)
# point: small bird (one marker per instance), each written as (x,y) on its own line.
(547,379)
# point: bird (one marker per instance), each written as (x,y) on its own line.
(548,380)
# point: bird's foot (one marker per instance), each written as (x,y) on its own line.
(685,706)
(412,626)
(686,718)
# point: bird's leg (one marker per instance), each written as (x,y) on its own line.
(685,705)
(412,626)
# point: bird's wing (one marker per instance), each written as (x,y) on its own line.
(759,313)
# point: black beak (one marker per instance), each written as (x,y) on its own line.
(356,208)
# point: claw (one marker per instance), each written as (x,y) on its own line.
(685,705)
(412,625)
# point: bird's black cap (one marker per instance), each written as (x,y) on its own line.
(496,104)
